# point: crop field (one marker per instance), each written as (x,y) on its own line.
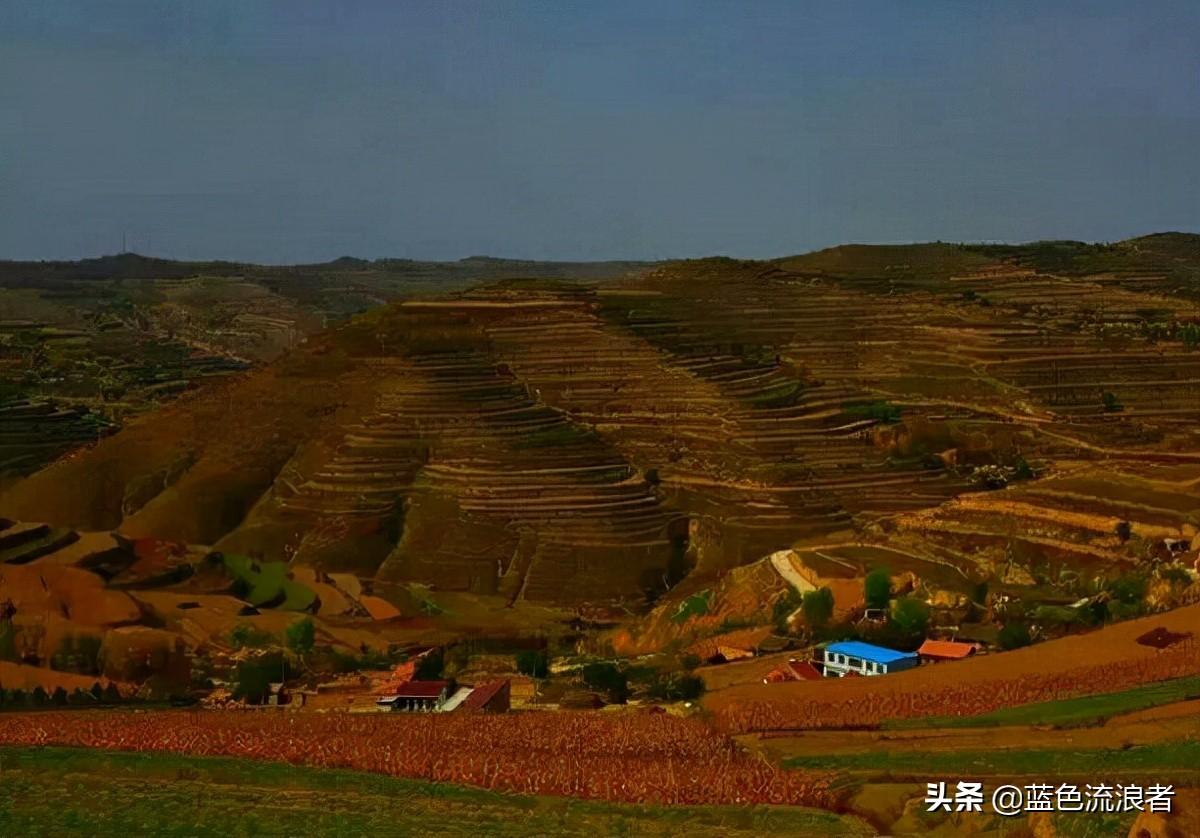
(45,789)
(629,757)
(1071,712)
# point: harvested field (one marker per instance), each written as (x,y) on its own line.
(631,757)
(1106,660)
(1169,723)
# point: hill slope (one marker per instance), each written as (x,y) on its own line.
(551,440)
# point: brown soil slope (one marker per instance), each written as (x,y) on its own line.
(548,440)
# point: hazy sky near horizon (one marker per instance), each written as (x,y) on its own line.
(301,131)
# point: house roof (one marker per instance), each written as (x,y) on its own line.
(868,651)
(421,689)
(793,670)
(804,670)
(948,649)
(484,693)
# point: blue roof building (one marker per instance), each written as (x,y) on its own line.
(853,656)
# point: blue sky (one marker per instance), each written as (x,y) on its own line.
(301,131)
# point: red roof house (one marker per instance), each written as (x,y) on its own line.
(793,670)
(492,697)
(945,650)
(419,696)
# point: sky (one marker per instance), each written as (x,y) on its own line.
(301,131)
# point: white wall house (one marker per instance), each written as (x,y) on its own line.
(840,659)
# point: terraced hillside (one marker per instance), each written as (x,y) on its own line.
(552,440)
(88,345)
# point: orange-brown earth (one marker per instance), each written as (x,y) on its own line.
(550,441)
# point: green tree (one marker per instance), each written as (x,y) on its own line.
(430,666)
(252,679)
(301,636)
(910,617)
(675,687)
(1129,589)
(607,678)
(818,607)
(8,642)
(1124,531)
(533,662)
(1014,636)
(877,588)
(79,654)
(784,606)
(246,636)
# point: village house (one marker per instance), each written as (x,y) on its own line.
(936,651)
(492,697)
(853,657)
(793,670)
(417,697)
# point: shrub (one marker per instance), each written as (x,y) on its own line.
(1175,575)
(695,605)
(877,588)
(252,679)
(77,654)
(818,607)
(787,603)
(1129,589)
(430,666)
(301,636)
(8,642)
(690,661)
(533,662)
(1111,403)
(910,617)
(675,687)
(884,412)
(246,636)
(1022,470)
(1014,636)
(607,678)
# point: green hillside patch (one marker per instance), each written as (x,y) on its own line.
(67,791)
(266,584)
(694,606)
